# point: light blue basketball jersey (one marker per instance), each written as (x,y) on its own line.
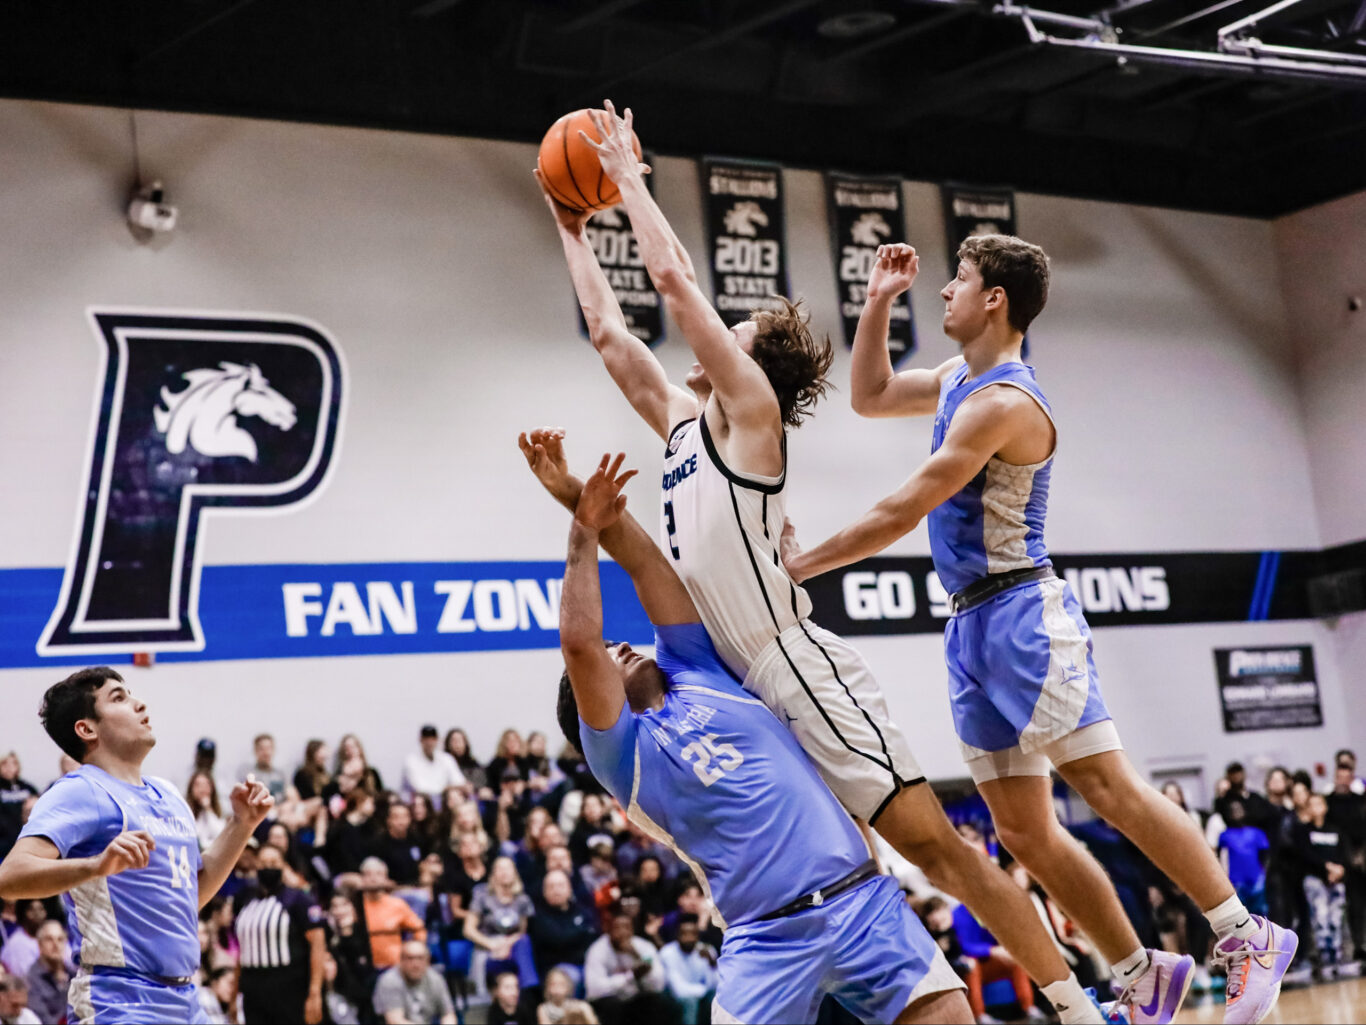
(995,524)
(146,920)
(718,778)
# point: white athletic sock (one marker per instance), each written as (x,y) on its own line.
(1132,968)
(1074,1007)
(1231,919)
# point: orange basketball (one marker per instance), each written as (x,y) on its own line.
(570,167)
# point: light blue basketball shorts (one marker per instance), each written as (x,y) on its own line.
(127,998)
(866,948)
(1022,677)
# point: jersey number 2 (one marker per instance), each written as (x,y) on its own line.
(701,752)
(181,873)
(672,528)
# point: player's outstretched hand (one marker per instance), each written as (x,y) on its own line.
(618,156)
(602,502)
(251,801)
(791,551)
(130,849)
(544,452)
(571,222)
(893,272)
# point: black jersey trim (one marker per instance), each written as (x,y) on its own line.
(731,475)
(758,578)
(777,561)
(669,442)
(900,786)
(850,694)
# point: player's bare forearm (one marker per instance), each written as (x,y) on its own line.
(597,682)
(26,875)
(662,594)
(660,248)
(870,368)
(221,856)
(581,600)
(886,522)
(739,383)
(599,303)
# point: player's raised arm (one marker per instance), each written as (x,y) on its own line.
(739,383)
(875,389)
(980,429)
(629,360)
(661,592)
(251,802)
(597,682)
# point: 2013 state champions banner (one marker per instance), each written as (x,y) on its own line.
(743,203)
(864,214)
(614,244)
(972,210)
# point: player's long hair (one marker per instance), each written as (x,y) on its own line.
(792,359)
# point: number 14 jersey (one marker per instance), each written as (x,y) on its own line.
(145,919)
(718,778)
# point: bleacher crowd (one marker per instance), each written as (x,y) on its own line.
(515,889)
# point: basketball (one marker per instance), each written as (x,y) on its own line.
(570,167)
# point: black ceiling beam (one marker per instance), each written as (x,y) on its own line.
(917,28)
(196,29)
(706,42)
(431,8)
(600,13)
(934,95)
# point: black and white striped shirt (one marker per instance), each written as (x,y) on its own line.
(271,929)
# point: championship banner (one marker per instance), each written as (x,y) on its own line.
(1268,688)
(969,211)
(614,244)
(864,214)
(972,211)
(744,209)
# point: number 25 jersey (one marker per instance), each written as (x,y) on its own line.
(718,778)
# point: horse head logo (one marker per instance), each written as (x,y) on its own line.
(869,230)
(742,218)
(204,416)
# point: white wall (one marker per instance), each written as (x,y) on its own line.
(1322,261)
(434,265)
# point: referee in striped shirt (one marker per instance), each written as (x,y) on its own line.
(283,946)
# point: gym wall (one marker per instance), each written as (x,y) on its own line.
(1180,392)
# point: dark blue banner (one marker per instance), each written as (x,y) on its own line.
(308,611)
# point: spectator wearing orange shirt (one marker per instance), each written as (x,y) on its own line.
(387,918)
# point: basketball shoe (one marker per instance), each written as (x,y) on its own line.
(1255,968)
(1157,994)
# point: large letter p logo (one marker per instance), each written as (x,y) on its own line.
(198,414)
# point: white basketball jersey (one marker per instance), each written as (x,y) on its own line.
(722,530)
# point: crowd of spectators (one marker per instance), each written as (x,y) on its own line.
(1293,852)
(516,886)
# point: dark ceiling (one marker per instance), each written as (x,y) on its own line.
(927,89)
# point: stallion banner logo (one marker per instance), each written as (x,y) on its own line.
(197,415)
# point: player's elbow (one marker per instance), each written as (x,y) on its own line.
(866,401)
(12,882)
